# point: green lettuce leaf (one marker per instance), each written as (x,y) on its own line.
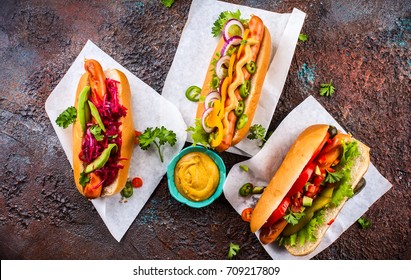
(198,135)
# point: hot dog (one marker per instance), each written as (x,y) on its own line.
(317,176)
(103,133)
(233,83)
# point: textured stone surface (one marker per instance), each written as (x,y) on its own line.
(363,47)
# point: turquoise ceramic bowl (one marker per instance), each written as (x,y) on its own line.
(170,176)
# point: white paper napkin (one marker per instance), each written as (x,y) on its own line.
(264,164)
(196,48)
(149,110)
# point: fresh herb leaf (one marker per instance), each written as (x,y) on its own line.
(167,3)
(96,131)
(257,131)
(199,135)
(333,177)
(303,37)
(222,19)
(327,89)
(293,217)
(84,179)
(307,233)
(67,117)
(364,222)
(158,136)
(233,250)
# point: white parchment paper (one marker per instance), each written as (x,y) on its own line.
(149,110)
(264,164)
(196,48)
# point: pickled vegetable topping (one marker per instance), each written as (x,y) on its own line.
(106,116)
(328,186)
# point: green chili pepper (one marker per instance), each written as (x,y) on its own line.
(242,121)
(83,110)
(215,82)
(251,67)
(127,191)
(193,93)
(96,115)
(246,189)
(101,160)
(239,110)
(245,89)
(257,190)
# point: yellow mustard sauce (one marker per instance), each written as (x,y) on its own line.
(196,176)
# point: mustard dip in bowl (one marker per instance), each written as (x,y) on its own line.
(196,176)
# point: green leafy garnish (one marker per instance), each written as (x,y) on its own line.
(327,89)
(364,222)
(222,19)
(199,135)
(333,177)
(167,3)
(67,117)
(257,131)
(84,179)
(96,131)
(293,217)
(303,37)
(306,233)
(233,250)
(158,137)
(350,152)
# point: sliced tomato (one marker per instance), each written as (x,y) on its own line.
(302,179)
(279,212)
(137,182)
(246,214)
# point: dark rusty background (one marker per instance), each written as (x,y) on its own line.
(363,46)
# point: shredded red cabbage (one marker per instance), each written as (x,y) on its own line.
(110,111)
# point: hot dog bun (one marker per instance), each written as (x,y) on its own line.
(294,162)
(126,128)
(257,81)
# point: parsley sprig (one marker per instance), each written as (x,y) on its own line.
(167,3)
(158,136)
(364,222)
(303,37)
(327,89)
(293,217)
(67,117)
(257,131)
(233,250)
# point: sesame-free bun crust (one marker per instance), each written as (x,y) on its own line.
(126,128)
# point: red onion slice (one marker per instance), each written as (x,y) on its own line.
(233,41)
(203,120)
(227,26)
(210,98)
(222,67)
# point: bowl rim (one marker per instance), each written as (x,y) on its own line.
(170,176)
